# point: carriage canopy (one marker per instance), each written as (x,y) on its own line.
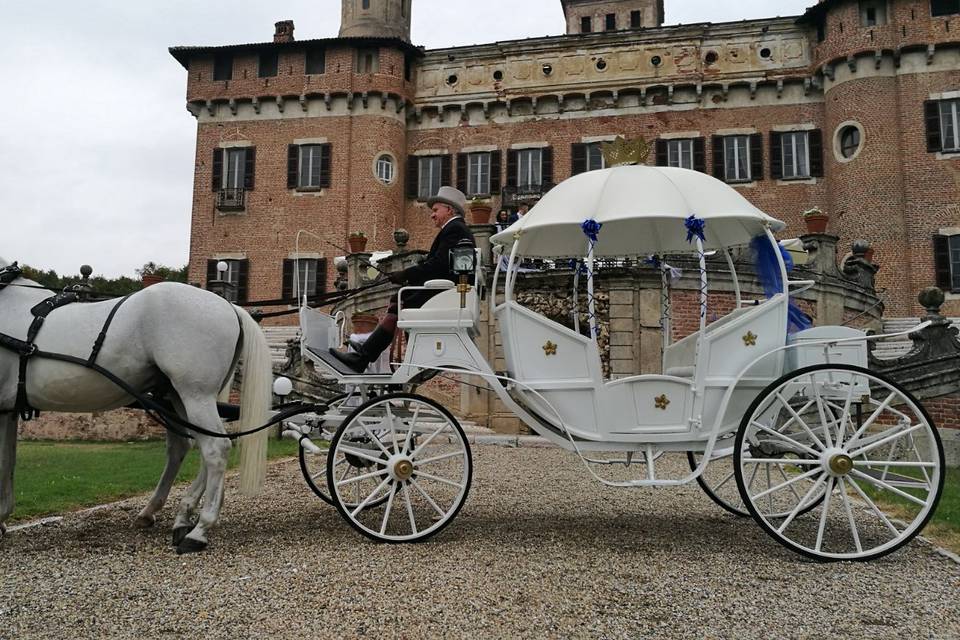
(642,210)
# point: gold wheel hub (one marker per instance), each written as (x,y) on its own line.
(841,464)
(403,470)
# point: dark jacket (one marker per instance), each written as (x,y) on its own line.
(436,266)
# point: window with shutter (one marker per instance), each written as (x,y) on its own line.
(478,174)
(586,25)
(660,152)
(954,246)
(496,158)
(512,168)
(413,177)
(249,167)
(293,165)
(529,170)
(794,156)
(300,277)
(546,168)
(950,125)
(462,172)
(680,153)
(310,175)
(736,158)
(217,169)
(946,258)
(234,167)
(699,155)
(719,169)
(429,176)
(931,115)
(756,157)
(236,275)
(635,20)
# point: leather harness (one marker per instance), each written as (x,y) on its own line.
(26,349)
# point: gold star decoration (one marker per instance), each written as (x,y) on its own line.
(550,349)
(661,401)
(750,339)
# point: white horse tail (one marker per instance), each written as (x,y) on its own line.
(255,400)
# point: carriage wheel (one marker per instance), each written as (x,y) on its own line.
(719,482)
(859,461)
(418,468)
(313,466)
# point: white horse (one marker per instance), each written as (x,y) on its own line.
(189,336)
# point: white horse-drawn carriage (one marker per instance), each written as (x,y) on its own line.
(832,460)
(792,430)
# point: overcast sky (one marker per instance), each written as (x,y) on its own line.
(96,145)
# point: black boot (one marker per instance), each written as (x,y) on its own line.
(369,351)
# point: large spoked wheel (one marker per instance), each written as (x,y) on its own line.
(859,462)
(416,466)
(717,480)
(313,466)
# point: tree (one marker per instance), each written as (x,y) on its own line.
(102,285)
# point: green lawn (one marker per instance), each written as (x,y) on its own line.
(53,477)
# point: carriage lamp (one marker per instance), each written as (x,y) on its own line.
(463,263)
(282,386)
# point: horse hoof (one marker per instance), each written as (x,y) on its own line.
(189,545)
(144,522)
(180,533)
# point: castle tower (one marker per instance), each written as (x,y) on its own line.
(375,19)
(875,154)
(587,16)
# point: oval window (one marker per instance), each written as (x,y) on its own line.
(849,141)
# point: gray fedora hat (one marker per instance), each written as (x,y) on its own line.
(451,197)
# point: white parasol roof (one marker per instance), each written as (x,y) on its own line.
(642,210)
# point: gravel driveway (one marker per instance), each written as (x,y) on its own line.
(539,550)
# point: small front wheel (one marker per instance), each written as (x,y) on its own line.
(857,462)
(416,468)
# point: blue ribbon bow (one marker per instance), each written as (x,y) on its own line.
(591,228)
(695,227)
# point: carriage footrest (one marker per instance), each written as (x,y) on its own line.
(342,369)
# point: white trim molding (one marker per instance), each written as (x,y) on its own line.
(787,128)
(234,144)
(529,145)
(680,135)
(310,141)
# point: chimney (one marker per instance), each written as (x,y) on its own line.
(284,31)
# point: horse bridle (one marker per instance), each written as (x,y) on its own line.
(9,273)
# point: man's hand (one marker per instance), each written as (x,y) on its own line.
(397,277)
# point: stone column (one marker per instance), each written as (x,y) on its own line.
(482,234)
(822,248)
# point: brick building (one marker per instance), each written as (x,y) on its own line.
(853,107)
